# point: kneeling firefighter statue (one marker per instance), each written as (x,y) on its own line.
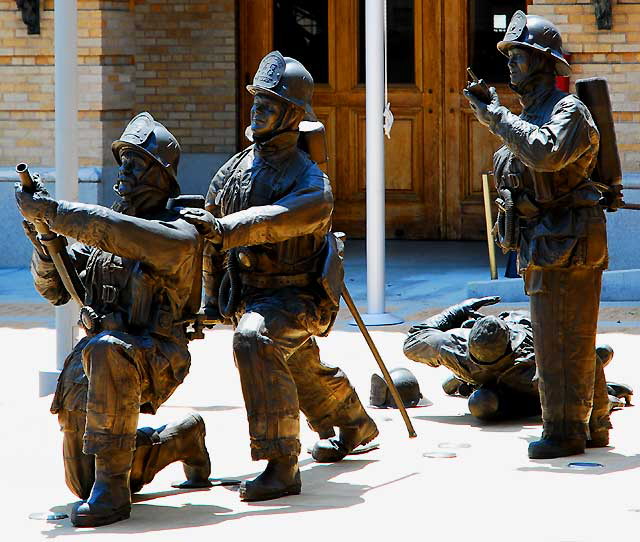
(269,209)
(141,269)
(552,214)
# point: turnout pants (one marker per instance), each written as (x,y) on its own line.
(150,456)
(564,313)
(107,379)
(281,372)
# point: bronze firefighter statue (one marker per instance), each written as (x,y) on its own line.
(493,361)
(551,214)
(268,215)
(140,267)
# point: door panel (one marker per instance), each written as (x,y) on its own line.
(477,148)
(437,149)
(412,175)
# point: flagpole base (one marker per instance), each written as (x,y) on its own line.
(379,319)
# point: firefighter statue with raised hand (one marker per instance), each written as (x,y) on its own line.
(140,267)
(268,211)
(551,214)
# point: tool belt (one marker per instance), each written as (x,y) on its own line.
(161,322)
(94,323)
(277,281)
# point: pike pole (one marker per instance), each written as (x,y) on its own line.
(367,337)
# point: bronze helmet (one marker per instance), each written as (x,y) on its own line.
(146,135)
(537,34)
(405,382)
(285,78)
(491,339)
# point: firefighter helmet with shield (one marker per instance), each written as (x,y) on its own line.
(535,33)
(285,78)
(149,137)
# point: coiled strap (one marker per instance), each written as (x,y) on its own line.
(229,291)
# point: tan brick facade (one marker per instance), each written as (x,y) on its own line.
(613,54)
(175,58)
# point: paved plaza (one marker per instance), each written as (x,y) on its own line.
(489,491)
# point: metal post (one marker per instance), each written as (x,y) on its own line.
(66,153)
(489,223)
(374,36)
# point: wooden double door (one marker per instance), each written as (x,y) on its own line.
(437,150)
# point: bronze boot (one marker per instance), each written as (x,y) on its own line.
(110,498)
(279,479)
(335,449)
(549,448)
(178,441)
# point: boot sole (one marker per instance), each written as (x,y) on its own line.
(289,490)
(368,439)
(98,521)
(329,456)
(565,453)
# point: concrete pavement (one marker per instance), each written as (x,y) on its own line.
(489,491)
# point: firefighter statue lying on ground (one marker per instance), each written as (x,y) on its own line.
(269,211)
(492,360)
(140,266)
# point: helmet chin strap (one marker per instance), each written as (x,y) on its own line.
(290,118)
(539,72)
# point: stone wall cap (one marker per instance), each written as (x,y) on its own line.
(85,174)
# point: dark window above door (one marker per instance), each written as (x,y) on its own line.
(300,30)
(400,42)
(488,20)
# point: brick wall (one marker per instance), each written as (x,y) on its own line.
(186,70)
(175,58)
(613,54)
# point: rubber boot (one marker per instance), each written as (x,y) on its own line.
(548,448)
(178,441)
(110,498)
(279,479)
(350,437)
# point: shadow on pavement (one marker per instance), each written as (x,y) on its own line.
(611,461)
(319,493)
(506,426)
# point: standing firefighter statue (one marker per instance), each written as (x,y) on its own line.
(551,213)
(140,266)
(268,212)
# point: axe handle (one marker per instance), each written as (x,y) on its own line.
(367,337)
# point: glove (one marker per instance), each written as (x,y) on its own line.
(483,112)
(36,206)
(32,234)
(205,223)
(475,303)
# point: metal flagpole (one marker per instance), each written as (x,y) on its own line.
(66,155)
(375,181)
